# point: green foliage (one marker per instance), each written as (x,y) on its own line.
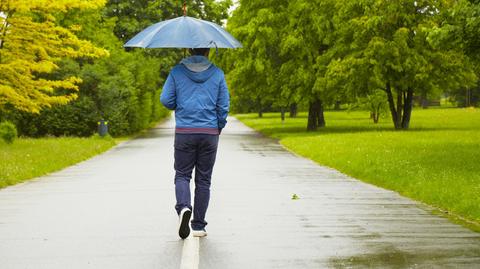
(466,97)
(115,88)
(8,132)
(134,16)
(31,43)
(29,158)
(375,102)
(435,162)
(79,118)
(332,51)
(461,30)
(253,72)
(395,51)
(277,66)
(125,87)
(107,137)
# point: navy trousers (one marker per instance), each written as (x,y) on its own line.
(194,151)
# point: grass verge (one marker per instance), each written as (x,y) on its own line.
(436,161)
(28,158)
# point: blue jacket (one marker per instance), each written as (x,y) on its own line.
(197,91)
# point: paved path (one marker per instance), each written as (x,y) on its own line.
(116,211)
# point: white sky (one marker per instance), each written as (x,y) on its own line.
(233,7)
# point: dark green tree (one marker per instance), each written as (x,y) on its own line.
(392,45)
(305,44)
(134,16)
(254,71)
(460,29)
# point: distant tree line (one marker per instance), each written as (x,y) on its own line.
(323,53)
(63,67)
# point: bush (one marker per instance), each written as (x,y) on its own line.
(8,132)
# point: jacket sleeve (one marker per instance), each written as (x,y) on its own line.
(223,104)
(168,96)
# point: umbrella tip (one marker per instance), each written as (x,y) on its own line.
(184,8)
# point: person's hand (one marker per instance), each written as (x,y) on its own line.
(219,130)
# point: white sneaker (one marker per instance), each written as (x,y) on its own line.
(199,233)
(184,227)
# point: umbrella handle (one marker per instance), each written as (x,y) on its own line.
(216,48)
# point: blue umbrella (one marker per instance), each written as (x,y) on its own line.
(184,32)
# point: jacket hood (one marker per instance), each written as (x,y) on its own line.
(196,63)
(197,68)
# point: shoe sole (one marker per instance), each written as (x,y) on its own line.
(184,230)
(199,234)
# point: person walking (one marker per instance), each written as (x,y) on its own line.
(196,89)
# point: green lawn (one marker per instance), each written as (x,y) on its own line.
(27,158)
(437,161)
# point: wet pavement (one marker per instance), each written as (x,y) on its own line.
(116,211)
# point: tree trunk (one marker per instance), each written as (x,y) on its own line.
(424,100)
(315,115)
(282,113)
(259,106)
(407,108)
(337,105)
(312,121)
(391,104)
(376,114)
(320,115)
(402,110)
(467,98)
(400,98)
(293,110)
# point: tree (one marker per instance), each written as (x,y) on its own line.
(31,44)
(254,71)
(375,102)
(123,88)
(460,29)
(392,45)
(309,45)
(277,66)
(134,16)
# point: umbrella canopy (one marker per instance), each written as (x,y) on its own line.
(184,32)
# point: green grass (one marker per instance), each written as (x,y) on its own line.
(437,161)
(28,158)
